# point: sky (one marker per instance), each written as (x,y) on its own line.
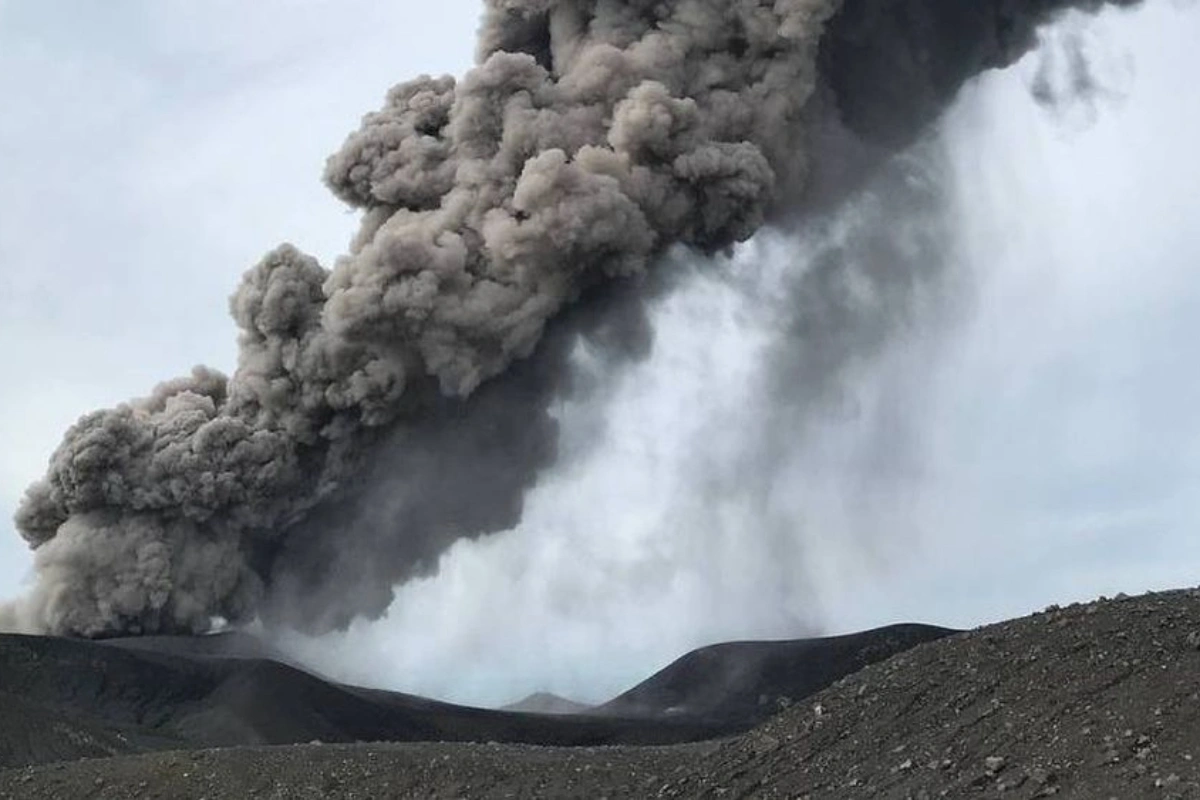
(151,152)
(1053,445)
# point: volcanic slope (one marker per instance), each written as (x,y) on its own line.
(547,703)
(1091,701)
(748,682)
(744,683)
(62,699)
(65,698)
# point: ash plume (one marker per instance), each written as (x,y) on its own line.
(384,408)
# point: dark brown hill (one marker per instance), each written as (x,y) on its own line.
(1093,701)
(747,682)
(131,695)
(65,698)
(228,644)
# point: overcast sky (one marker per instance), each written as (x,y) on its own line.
(151,151)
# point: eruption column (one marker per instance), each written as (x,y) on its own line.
(592,136)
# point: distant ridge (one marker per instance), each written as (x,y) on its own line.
(62,699)
(227,644)
(743,683)
(1088,701)
(547,703)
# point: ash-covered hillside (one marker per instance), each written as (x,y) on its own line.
(66,698)
(1094,700)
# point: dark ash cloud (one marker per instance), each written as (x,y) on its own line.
(385,407)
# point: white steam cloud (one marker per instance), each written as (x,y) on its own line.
(1029,443)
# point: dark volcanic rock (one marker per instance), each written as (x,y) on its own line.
(399,772)
(65,698)
(1093,701)
(228,644)
(743,683)
(131,695)
(31,733)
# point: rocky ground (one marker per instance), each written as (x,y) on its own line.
(64,699)
(1091,701)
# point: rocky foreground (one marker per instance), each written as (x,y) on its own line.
(1090,701)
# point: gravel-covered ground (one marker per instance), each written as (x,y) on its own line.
(62,699)
(1091,701)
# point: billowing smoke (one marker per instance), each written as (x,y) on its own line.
(398,402)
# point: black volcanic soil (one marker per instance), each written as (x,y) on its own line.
(65,698)
(88,699)
(1092,701)
(747,682)
(739,684)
